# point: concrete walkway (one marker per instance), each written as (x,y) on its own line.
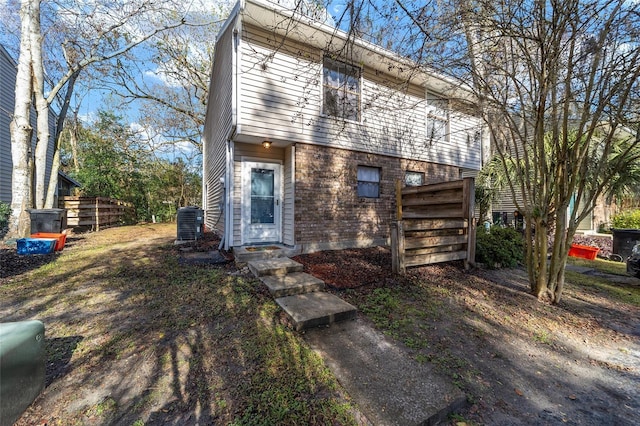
(388,386)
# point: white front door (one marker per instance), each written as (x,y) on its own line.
(261,206)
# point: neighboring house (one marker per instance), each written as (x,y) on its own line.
(503,212)
(7,101)
(307,132)
(66,186)
(599,219)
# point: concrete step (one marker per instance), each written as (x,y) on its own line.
(244,254)
(292,284)
(315,309)
(279,266)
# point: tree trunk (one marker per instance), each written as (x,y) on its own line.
(21,131)
(73,141)
(536,252)
(53,181)
(42,107)
(55,167)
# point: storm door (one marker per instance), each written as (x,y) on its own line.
(261,209)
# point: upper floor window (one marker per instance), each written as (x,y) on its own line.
(437,119)
(341,87)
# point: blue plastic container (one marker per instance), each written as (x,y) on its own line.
(36,245)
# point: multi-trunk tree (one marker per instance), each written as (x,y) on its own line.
(75,36)
(558,86)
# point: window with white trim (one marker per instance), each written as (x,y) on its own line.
(368,182)
(413,178)
(341,90)
(437,119)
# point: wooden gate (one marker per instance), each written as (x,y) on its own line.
(435,223)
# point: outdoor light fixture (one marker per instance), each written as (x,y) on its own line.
(266,144)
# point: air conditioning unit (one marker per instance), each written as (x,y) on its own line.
(190,223)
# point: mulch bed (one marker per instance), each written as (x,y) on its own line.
(350,268)
(12,263)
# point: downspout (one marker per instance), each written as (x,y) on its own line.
(293,194)
(228,198)
(230,151)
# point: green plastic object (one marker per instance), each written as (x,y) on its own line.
(22,367)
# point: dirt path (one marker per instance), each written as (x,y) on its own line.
(578,363)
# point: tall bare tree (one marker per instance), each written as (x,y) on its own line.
(558,86)
(78,35)
(170,80)
(21,129)
(557,83)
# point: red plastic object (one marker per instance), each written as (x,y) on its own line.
(584,252)
(61,238)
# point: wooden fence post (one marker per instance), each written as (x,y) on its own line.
(398,199)
(97,226)
(397,248)
(469,194)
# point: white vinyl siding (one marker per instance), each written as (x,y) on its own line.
(217,129)
(281,98)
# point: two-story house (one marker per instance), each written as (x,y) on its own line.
(308,129)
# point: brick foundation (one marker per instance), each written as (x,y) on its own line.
(328,211)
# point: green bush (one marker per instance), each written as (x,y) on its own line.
(499,247)
(5,211)
(626,220)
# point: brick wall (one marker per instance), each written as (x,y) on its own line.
(328,211)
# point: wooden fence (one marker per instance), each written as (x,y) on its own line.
(96,212)
(435,223)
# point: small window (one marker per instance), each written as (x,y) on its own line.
(413,178)
(368,182)
(437,119)
(341,90)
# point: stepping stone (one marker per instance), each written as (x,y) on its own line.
(277,266)
(292,284)
(316,309)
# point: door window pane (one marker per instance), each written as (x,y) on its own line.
(262,196)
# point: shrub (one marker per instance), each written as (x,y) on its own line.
(499,247)
(626,220)
(5,211)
